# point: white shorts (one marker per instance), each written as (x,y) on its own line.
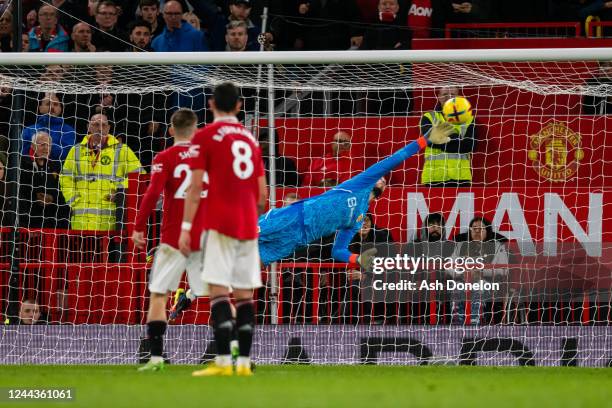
(168,267)
(230,262)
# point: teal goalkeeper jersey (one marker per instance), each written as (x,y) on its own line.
(341,209)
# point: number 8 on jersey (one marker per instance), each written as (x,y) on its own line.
(229,153)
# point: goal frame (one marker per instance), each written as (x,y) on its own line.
(270,59)
(310,57)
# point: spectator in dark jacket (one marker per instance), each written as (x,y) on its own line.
(30,313)
(322,25)
(369,235)
(140,36)
(63,136)
(216,22)
(70,12)
(391,31)
(431,242)
(41,204)
(488,235)
(150,13)
(81,38)
(432,239)
(107,36)
(237,36)
(48,35)
(433,229)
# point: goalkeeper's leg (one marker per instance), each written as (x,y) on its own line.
(182,301)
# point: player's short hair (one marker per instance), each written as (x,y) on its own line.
(226,96)
(145,3)
(139,23)
(183,119)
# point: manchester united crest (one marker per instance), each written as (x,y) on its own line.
(555,152)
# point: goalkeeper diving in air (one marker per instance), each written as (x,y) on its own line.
(340,209)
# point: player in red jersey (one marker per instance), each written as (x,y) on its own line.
(236,196)
(171,174)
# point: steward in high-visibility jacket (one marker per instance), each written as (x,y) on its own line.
(91,178)
(448,164)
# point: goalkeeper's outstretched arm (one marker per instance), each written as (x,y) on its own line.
(341,253)
(340,250)
(439,133)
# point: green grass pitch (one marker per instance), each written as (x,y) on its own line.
(321,386)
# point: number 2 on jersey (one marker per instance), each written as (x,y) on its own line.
(181,192)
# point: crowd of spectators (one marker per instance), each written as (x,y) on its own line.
(201,25)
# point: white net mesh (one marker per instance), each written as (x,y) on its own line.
(549,77)
(538,172)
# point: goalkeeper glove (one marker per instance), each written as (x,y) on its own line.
(366,259)
(440,133)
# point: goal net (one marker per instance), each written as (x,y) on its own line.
(523,192)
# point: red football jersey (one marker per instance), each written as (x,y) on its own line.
(171,174)
(231,156)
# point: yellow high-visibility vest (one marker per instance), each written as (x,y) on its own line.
(88,179)
(441,166)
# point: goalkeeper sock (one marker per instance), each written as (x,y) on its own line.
(221,314)
(245,320)
(156,330)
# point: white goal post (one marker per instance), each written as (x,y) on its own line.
(311,57)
